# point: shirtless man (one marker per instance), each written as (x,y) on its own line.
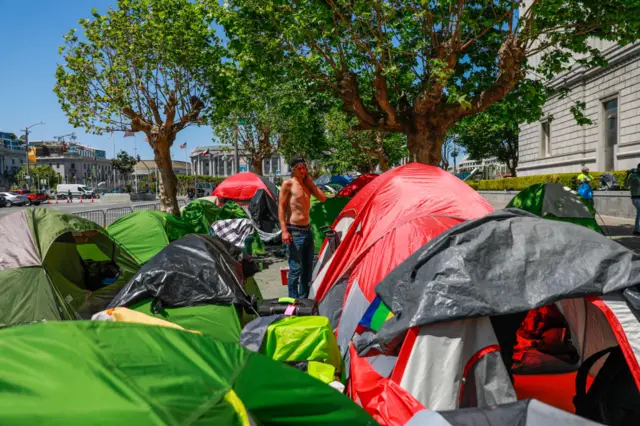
(293,213)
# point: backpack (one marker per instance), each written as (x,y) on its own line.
(585,191)
(613,398)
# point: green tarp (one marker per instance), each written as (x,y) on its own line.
(144,233)
(110,373)
(302,339)
(57,266)
(556,202)
(324,214)
(218,321)
(200,214)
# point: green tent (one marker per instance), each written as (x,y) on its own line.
(222,322)
(144,233)
(556,202)
(324,214)
(200,214)
(113,373)
(57,266)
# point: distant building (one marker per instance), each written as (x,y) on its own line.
(12,157)
(77,163)
(147,167)
(218,161)
(489,167)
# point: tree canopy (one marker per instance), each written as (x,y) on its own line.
(146,66)
(349,150)
(494,132)
(417,67)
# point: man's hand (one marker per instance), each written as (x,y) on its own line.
(286,237)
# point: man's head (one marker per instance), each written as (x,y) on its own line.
(585,170)
(298,166)
(638,166)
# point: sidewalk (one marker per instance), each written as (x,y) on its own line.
(618,228)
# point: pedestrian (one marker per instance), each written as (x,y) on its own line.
(585,176)
(293,214)
(69,195)
(632,179)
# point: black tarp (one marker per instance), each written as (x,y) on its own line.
(561,202)
(273,189)
(264,212)
(507,262)
(194,270)
(528,412)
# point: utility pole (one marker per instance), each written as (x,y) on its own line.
(454,154)
(26,142)
(114,158)
(236,157)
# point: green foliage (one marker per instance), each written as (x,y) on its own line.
(38,173)
(520,183)
(124,163)
(418,67)
(186,181)
(363,151)
(136,56)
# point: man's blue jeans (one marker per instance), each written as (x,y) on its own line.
(636,203)
(301,253)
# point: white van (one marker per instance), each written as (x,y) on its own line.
(77,191)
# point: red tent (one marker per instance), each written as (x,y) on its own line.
(356,185)
(384,224)
(243,186)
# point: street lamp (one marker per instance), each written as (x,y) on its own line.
(26,141)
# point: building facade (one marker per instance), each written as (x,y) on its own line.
(12,157)
(490,168)
(218,160)
(76,163)
(146,168)
(557,144)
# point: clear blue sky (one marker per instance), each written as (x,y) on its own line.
(31,33)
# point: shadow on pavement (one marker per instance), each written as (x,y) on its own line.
(623,233)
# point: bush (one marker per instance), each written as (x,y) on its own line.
(520,183)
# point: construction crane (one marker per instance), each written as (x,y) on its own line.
(71,135)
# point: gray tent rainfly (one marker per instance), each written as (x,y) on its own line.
(529,412)
(506,262)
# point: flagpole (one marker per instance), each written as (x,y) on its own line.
(114,157)
(135,169)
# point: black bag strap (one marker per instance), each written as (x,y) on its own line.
(580,400)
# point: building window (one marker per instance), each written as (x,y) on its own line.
(545,138)
(275,164)
(13,161)
(73,165)
(266,166)
(610,134)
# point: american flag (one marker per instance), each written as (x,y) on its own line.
(183,146)
(128,133)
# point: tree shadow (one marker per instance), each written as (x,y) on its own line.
(623,234)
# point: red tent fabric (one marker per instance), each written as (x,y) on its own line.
(395,214)
(241,186)
(356,185)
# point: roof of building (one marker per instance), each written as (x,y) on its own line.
(151,164)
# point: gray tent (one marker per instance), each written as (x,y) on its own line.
(442,346)
(529,412)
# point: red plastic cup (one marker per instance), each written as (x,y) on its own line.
(284,276)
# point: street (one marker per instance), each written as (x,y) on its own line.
(76,206)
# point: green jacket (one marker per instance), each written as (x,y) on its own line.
(633,180)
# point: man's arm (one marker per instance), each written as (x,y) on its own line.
(315,191)
(285,195)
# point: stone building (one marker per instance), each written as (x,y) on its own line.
(12,157)
(217,160)
(76,163)
(557,144)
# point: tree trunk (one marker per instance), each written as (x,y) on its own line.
(426,146)
(168,181)
(256,165)
(384,164)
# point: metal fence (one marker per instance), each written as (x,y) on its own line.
(107,216)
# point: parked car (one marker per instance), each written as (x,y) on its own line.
(14,199)
(34,198)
